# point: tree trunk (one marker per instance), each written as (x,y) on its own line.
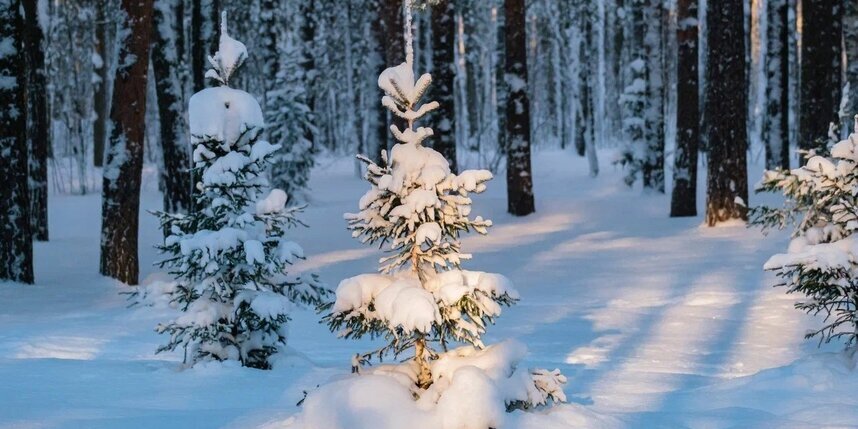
(820,72)
(101,103)
(444,78)
(308,38)
(167,36)
(124,163)
(38,121)
(205,18)
(727,113)
(684,199)
(518,175)
(16,241)
(850,38)
(388,30)
(776,126)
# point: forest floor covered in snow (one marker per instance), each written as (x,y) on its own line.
(657,322)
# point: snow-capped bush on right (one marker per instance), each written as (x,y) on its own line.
(422,303)
(821,263)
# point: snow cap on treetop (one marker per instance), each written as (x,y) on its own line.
(229,57)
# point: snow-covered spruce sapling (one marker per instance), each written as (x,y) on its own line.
(422,300)
(231,255)
(821,263)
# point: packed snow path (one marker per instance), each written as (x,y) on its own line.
(657,322)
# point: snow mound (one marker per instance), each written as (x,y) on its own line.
(473,389)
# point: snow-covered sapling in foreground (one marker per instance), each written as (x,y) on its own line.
(822,260)
(231,255)
(422,301)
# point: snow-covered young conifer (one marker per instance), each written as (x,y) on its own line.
(821,262)
(422,301)
(231,255)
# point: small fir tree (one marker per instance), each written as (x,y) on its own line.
(423,300)
(821,263)
(291,123)
(231,256)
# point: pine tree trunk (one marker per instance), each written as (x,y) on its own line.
(308,38)
(101,103)
(850,38)
(726,106)
(820,72)
(776,126)
(684,199)
(518,172)
(205,18)
(16,241)
(444,78)
(124,162)
(175,146)
(38,121)
(394,53)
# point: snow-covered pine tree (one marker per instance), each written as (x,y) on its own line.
(634,97)
(290,120)
(422,300)
(231,256)
(820,263)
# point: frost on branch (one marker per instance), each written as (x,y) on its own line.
(821,206)
(231,258)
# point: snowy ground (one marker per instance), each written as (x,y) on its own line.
(656,321)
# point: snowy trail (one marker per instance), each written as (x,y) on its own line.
(657,322)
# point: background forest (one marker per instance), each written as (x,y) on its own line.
(622,132)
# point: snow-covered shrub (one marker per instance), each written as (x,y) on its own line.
(422,301)
(821,206)
(230,256)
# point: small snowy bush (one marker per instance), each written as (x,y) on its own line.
(230,256)
(422,301)
(822,260)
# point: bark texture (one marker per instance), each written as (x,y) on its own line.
(520,201)
(820,72)
(727,113)
(175,145)
(444,78)
(684,198)
(38,120)
(16,242)
(124,162)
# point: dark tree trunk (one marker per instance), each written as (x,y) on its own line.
(820,72)
(308,36)
(388,30)
(175,145)
(102,97)
(124,162)
(727,113)
(16,241)
(444,78)
(518,175)
(38,121)
(776,125)
(850,38)
(684,199)
(205,17)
